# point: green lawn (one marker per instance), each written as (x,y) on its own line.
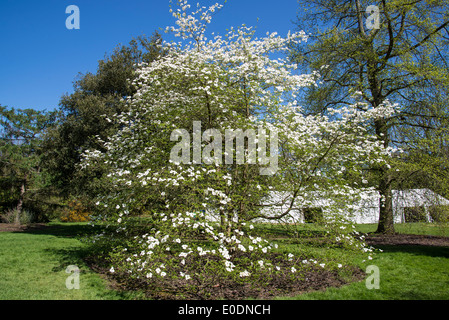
(432,229)
(33,264)
(406,273)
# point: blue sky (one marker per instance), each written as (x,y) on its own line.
(40,57)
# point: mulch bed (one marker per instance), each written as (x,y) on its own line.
(407,239)
(11,227)
(283,285)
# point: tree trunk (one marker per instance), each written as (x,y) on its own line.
(386,222)
(20,204)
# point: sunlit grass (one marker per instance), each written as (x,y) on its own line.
(33,264)
(406,273)
(431,229)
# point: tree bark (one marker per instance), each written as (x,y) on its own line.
(19,207)
(386,219)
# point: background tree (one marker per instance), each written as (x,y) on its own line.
(404,60)
(25,184)
(84,113)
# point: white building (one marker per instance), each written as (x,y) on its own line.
(406,206)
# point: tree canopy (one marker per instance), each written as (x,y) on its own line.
(403,60)
(84,112)
(24,182)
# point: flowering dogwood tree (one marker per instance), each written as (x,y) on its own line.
(192,159)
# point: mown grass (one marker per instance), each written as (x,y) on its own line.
(431,229)
(407,272)
(33,265)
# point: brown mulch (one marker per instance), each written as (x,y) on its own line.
(407,239)
(315,279)
(12,227)
(227,290)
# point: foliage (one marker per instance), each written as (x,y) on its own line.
(200,210)
(76,211)
(83,114)
(439,213)
(404,60)
(25,184)
(18,217)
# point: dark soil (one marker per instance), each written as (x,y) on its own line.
(406,239)
(12,227)
(314,279)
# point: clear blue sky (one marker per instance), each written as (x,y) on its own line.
(40,57)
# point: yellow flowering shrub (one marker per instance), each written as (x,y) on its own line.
(76,211)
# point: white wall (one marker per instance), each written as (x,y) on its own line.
(370,206)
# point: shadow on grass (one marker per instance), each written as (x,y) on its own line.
(106,288)
(79,254)
(68,230)
(74,252)
(421,250)
(70,254)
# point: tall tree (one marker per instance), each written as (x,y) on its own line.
(402,59)
(22,177)
(85,112)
